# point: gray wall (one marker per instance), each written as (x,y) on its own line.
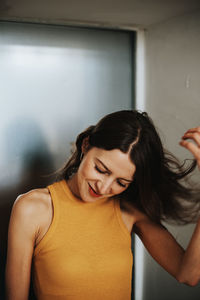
(54,82)
(173,101)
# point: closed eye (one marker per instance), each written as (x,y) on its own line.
(100,170)
(105,172)
(121,184)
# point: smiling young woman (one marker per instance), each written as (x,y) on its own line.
(75,235)
(102,174)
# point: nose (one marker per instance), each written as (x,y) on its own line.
(105,186)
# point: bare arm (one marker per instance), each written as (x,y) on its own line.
(24,230)
(183,265)
(190,266)
(191,260)
(161,245)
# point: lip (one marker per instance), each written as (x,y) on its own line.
(92,192)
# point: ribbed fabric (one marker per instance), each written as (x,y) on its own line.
(86,253)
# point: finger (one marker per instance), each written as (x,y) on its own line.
(194,149)
(194,136)
(196,129)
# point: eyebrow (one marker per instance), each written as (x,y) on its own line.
(128,180)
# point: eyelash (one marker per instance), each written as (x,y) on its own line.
(121,184)
(104,172)
(99,170)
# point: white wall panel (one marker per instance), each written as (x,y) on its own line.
(172,100)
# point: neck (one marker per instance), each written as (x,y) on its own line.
(73,186)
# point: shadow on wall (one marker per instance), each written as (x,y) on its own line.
(27,164)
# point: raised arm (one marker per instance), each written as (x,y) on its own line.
(184,265)
(24,231)
(191,259)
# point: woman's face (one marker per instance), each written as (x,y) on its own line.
(102,174)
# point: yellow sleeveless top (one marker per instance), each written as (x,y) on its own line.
(86,253)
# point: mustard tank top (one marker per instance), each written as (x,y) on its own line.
(86,253)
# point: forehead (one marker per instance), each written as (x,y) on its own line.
(116,161)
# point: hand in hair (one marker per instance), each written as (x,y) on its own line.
(194,135)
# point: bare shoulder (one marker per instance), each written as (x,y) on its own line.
(141,222)
(33,202)
(32,212)
(133,212)
(136,220)
(131,215)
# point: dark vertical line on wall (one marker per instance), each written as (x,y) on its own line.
(133,67)
(133,95)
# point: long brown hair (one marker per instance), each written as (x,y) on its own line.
(158,189)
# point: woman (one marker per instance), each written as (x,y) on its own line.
(75,234)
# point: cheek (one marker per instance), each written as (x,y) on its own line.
(86,170)
(118,189)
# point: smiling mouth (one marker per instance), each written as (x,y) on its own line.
(93,193)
